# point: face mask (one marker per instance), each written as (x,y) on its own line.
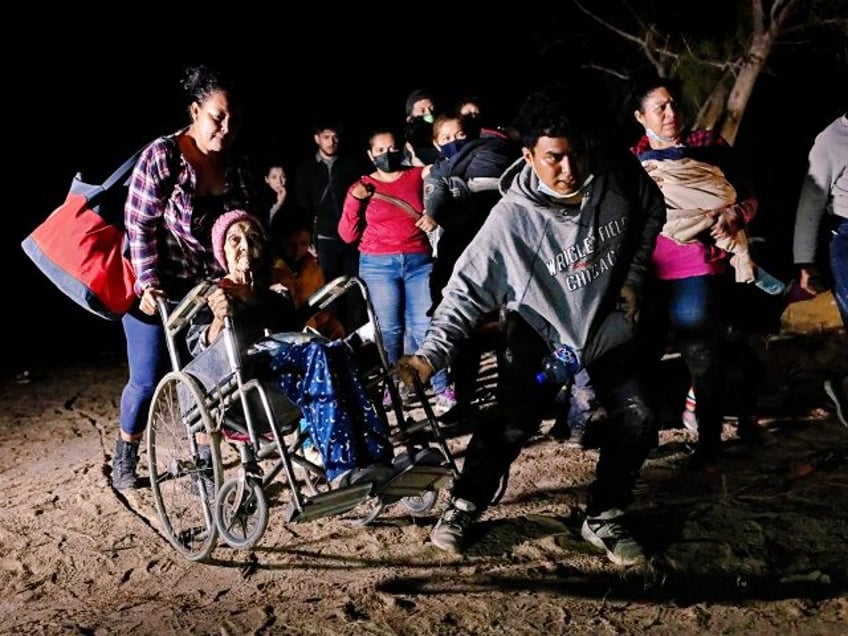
(390,161)
(428,117)
(419,132)
(544,189)
(450,149)
(652,135)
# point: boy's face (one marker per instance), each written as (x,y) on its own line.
(243,247)
(327,141)
(559,163)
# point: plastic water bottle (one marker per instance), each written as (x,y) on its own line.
(768,283)
(559,367)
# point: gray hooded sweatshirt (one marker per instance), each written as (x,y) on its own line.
(560,267)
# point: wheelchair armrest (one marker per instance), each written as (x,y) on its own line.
(328,293)
(188,307)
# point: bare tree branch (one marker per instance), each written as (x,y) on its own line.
(607,70)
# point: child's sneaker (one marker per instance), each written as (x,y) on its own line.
(445,400)
(387,400)
(690,421)
(605,532)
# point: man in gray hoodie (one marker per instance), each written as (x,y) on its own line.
(565,253)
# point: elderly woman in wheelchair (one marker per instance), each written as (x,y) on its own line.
(316,374)
(251,379)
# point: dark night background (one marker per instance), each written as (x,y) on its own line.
(83,99)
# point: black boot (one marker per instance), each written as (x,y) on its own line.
(123,464)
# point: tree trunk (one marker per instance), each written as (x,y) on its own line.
(710,115)
(744,85)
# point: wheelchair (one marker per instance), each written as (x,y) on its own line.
(201,499)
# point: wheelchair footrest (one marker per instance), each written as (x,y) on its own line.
(415,480)
(330,503)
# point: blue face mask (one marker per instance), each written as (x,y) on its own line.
(450,149)
(428,117)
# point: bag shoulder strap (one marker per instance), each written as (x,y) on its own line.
(406,207)
(122,172)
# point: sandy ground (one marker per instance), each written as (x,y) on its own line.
(758,544)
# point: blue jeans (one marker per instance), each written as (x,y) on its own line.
(839,265)
(399,285)
(691,302)
(147,358)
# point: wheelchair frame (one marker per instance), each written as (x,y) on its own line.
(197,502)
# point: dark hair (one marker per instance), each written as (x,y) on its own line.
(468,99)
(382,130)
(543,114)
(201,82)
(645,84)
(416,96)
(328,123)
(469,125)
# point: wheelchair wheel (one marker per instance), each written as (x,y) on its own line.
(183,488)
(420,505)
(241,512)
(366,512)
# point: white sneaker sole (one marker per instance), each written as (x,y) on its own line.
(831,393)
(587,533)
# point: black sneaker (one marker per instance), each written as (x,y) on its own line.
(449,531)
(835,390)
(123,465)
(606,532)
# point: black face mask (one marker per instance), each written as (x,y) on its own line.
(419,133)
(390,161)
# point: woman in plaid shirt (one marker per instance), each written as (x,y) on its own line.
(180,185)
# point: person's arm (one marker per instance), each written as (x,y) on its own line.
(437,194)
(143,211)
(352,221)
(151,184)
(476,288)
(738,216)
(651,214)
(812,206)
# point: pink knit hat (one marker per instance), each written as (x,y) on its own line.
(219,231)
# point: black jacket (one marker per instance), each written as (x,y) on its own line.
(321,192)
